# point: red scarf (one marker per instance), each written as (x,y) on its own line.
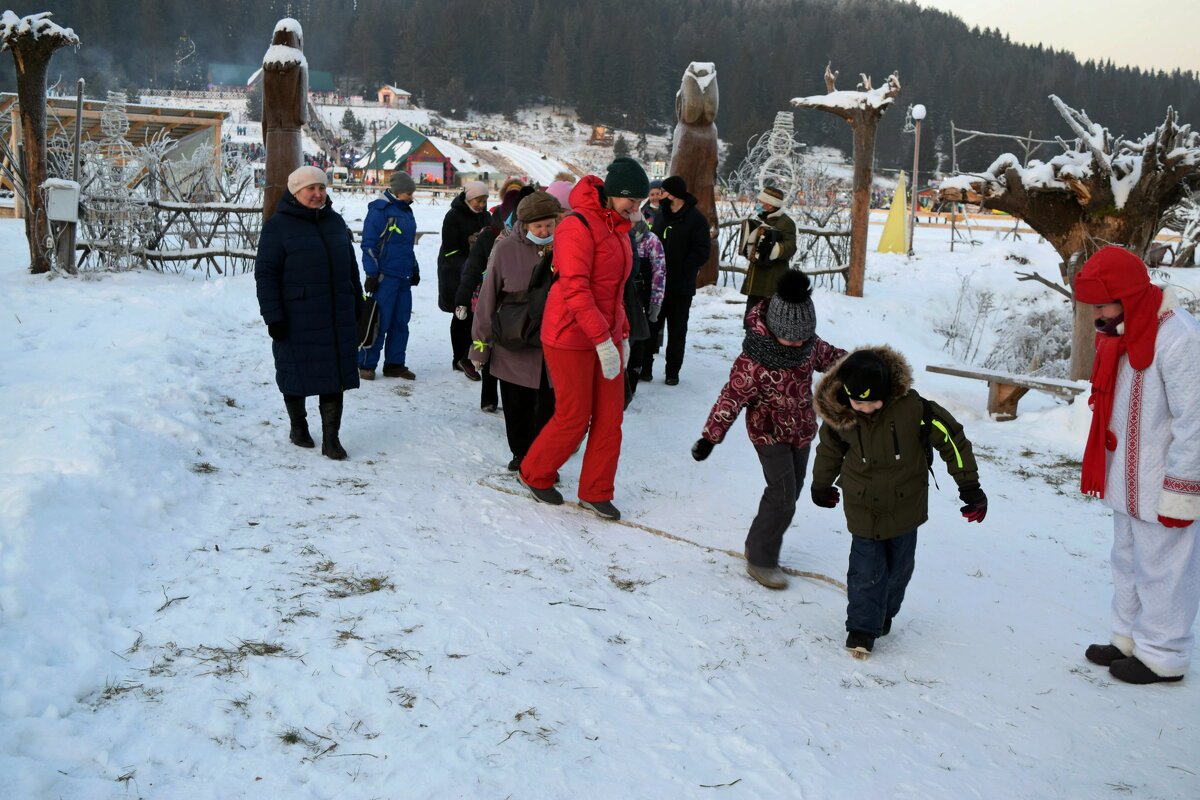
(1109,350)
(1114,274)
(1141,330)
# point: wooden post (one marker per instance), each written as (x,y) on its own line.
(694,151)
(863,110)
(860,206)
(33,40)
(285,92)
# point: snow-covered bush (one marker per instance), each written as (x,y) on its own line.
(1034,343)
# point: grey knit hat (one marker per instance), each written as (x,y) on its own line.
(790,312)
(401,183)
(538,205)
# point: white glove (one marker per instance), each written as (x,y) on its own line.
(461,312)
(610,359)
(624,354)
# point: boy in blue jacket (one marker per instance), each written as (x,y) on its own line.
(389,236)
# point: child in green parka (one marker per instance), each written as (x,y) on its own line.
(876,442)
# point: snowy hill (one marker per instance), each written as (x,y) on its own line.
(194,608)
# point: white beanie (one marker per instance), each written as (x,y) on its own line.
(306,176)
(475,189)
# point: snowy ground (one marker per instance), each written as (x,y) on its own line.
(193,608)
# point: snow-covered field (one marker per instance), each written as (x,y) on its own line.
(191,607)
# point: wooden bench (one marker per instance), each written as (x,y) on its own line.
(1006,389)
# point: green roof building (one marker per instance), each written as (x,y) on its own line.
(403,149)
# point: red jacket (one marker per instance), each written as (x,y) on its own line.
(586,303)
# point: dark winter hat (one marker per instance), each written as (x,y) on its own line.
(865,376)
(656,184)
(771,196)
(626,178)
(790,312)
(538,205)
(401,183)
(675,186)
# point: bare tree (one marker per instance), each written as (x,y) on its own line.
(33,40)
(1101,190)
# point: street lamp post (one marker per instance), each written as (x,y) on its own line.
(918,114)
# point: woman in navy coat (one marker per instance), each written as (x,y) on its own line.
(309,296)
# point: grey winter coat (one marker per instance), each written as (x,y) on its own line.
(509,266)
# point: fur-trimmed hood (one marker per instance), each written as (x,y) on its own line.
(831,401)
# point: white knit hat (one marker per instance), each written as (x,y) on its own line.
(772,197)
(306,176)
(474,189)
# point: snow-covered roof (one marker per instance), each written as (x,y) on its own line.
(396,90)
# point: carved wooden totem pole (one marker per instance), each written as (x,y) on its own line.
(862,109)
(694,149)
(285,103)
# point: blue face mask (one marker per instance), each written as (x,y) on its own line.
(540,240)
(759,208)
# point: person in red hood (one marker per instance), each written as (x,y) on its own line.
(1143,460)
(585,338)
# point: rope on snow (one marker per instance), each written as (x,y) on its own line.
(816,576)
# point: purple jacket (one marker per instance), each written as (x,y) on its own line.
(778,402)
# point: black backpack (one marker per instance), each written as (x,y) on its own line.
(517,322)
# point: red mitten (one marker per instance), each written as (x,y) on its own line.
(1171,522)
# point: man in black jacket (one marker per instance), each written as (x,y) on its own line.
(466,218)
(683,230)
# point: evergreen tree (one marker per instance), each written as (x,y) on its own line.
(254,102)
(643,148)
(349,121)
(620,147)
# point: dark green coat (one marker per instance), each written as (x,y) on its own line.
(763,275)
(878,460)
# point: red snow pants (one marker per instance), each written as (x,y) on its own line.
(584,404)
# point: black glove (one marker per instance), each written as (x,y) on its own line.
(976,502)
(416,276)
(826,496)
(767,241)
(371,284)
(702,448)
(278,330)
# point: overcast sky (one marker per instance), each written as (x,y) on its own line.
(1151,34)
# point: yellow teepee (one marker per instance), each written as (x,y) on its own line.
(895,238)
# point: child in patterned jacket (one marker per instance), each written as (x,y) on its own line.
(772,379)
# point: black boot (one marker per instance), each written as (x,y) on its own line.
(331,422)
(299,418)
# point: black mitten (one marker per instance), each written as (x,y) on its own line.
(702,449)
(278,330)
